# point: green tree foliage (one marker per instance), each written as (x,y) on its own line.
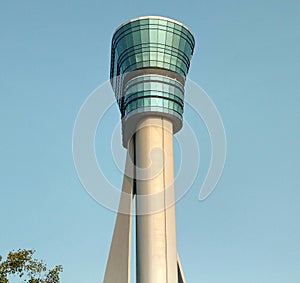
(22,264)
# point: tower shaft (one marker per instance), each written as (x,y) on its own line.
(155,232)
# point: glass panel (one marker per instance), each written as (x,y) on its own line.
(180,109)
(135,88)
(177,91)
(136,38)
(169,39)
(181,44)
(135,25)
(176,39)
(153,35)
(179,28)
(160,64)
(167,58)
(146,56)
(147,86)
(159,87)
(121,46)
(172,89)
(160,56)
(153,21)
(138,57)
(153,56)
(176,107)
(145,35)
(152,85)
(162,22)
(127,40)
(133,104)
(173,60)
(167,65)
(161,37)
(185,32)
(152,101)
(187,49)
(168,88)
(171,25)
(179,100)
(140,87)
(131,60)
(172,68)
(143,22)
(160,102)
(147,101)
(126,63)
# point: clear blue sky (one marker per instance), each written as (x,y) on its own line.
(54,53)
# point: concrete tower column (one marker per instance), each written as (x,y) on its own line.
(155,232)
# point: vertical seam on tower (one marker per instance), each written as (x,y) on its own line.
(164,188)
(134,166)
(136,210)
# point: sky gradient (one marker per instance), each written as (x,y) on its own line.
(55,53)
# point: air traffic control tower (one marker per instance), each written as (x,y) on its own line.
(150,59)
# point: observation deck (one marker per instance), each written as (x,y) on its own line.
(150,58)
